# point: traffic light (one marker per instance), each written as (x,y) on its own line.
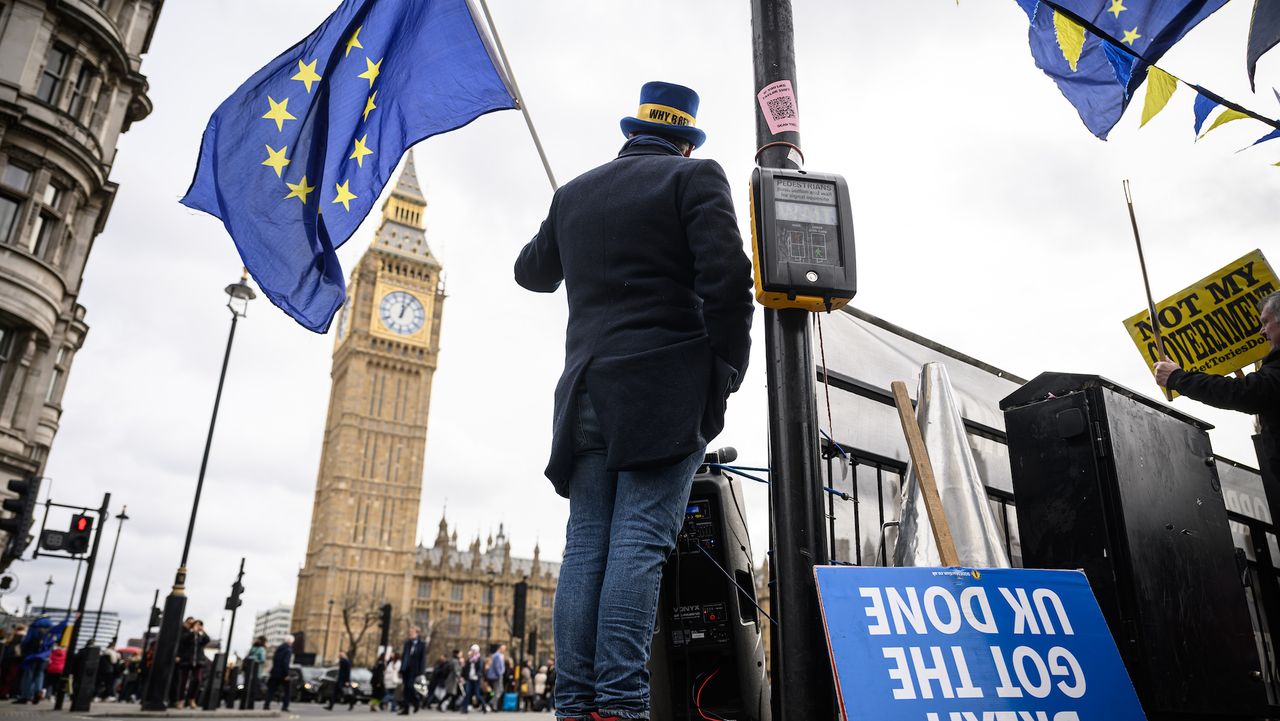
(518,600)
(233,601)
(22,506)
(80,533)
(155,618)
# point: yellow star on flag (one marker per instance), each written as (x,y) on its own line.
(372,72)
(1130,36)
(276,160)
(300,190)
(361,150)
(345,196)
(369,106)
(1117,7)
(307,73)
(279,112)
(354,42)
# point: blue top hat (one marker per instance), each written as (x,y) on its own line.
(668,110)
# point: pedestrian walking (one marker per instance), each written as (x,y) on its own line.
(279,676)
(377,683)
(391,680)
(540,689)
(342,684)
(658,337)
(551,685)
(413,663)
(472,676)
(496,674)
(255,672)
(37,649)
(11,661)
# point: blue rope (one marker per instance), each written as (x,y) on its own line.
(839,449)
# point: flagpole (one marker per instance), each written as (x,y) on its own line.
(1146,282)
(524,108)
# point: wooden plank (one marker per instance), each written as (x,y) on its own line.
(924,475)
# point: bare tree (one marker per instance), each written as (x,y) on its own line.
(359,612)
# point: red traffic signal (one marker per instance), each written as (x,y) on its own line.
(78,536)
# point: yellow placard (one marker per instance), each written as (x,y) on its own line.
(1211,326)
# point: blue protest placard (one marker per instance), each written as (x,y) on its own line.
(958,644)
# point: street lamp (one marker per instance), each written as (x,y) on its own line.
(106,584)
(328,618)
(175,604)
(48,586)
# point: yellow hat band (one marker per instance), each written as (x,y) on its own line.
(665,115)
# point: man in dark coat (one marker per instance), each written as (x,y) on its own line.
(659,294)
(413,663)
(279,677)
(1257,392)
(342,684)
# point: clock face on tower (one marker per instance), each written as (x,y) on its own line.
(401,312)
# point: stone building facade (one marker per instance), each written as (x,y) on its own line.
(466,596)
(70,84)
(362,544)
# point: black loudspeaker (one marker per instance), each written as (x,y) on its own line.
(708,652)
(1126,489)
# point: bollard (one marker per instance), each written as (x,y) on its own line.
(212,689)
(84,674)
(250,669)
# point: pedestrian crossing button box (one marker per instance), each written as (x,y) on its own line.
(802,239)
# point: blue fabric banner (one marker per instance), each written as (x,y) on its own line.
(951,644)
(283,160)
(1099,73)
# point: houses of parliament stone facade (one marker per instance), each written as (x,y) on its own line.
(361,551)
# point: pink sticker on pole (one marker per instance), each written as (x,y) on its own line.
(778,103)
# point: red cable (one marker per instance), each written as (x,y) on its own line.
(697,700)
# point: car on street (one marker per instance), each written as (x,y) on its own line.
(361,684)
(304,682)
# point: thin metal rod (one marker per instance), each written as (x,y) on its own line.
(1146,282)
(208,443)
(71,602)
(524,107)
(48,586)
(112,564)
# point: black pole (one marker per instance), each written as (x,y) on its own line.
(48,586)
(215,689)
(804,687)
(175,604)
(84,600)
(75,583)
(110,565)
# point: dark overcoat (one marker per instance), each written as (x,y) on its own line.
(1257,393)
(413,659)
(660,308)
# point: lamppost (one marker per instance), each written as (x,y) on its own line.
(328,619)
(110,565)
(48,586)
(492,579)
(175,604)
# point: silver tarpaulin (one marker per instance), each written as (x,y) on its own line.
(979,543)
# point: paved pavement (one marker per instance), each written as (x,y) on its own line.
(297,712)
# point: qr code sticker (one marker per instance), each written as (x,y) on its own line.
(781,108)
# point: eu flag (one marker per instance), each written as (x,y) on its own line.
(297,156)
(1098,51)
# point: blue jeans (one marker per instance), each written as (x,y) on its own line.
(32,680)
(622,526)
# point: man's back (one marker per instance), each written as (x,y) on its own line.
(659,299)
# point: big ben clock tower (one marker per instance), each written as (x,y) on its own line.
(360,553)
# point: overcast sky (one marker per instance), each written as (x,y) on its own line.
(987,219)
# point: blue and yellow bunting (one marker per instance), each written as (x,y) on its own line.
(295,159)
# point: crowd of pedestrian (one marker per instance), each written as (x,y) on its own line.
(404,682)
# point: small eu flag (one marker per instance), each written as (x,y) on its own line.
(295,159)
(1098,51)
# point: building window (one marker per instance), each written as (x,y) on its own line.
(51,79)
(8,215)
(422,619)
(486,625)
(455,592)
(16,177)
(52,195)
(424,589)
(547,598)
(42,234)
(455,623)
(488,594)
(80,93)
